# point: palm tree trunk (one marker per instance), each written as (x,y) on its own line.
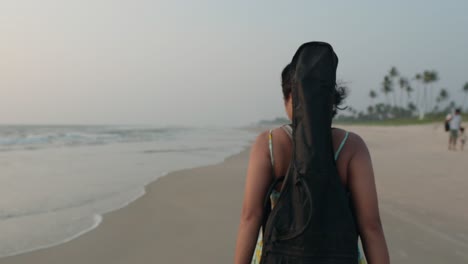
(432,99)
(464,101)
(401,98)
(408,98)
(425,102)
(418,98)
(422,112)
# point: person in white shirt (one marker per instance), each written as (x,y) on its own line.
(455,124)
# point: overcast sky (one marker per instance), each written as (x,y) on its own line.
(207,62)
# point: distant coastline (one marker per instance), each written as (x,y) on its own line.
(353,120)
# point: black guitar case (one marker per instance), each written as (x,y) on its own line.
(312,221)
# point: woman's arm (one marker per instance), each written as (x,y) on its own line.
(362,185)
(259,177)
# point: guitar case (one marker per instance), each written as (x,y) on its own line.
(312,221)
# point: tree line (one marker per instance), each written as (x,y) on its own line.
(409,97)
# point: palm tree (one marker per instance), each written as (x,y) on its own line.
(434,78)
(412,107)
(409,90)
(428,78)
(372,95)
(420,101)
(465,90)
(393,73)
(403,83)
(443,95)
(452,105)
(352,111)
(387,87)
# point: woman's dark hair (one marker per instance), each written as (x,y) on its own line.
(287,83)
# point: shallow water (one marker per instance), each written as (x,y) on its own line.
(57,181)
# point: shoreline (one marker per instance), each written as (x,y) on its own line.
(192,215)
(103,217)
(121,170)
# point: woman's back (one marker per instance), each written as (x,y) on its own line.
(281,151)
(354,168)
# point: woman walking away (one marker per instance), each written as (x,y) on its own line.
(271,158)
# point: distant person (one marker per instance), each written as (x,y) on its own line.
(447,122)
(462,138)
(455,124)
(270,159)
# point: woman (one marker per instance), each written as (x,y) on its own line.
(271,154)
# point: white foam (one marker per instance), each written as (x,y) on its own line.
(102,179)
(97,222)
(97,219)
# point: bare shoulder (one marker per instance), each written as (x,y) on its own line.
(356,144)
(279,137)
(354,141)
(260,145)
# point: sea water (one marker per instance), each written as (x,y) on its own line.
(57,181)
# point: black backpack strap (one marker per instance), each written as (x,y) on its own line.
(267,201)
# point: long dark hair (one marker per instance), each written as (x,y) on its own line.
(287,83)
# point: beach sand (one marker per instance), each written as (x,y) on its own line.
(192,216)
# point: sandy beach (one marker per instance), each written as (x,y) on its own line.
(192,216)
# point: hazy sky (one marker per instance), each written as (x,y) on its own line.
(207,62)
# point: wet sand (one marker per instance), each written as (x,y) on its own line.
(192,216)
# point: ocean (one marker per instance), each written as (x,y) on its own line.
(56,182)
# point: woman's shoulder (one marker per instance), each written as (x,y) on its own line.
(352,137)
(264,134)
(276,131)
(354,141)
(263,137)
(276,134)
(358,147)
